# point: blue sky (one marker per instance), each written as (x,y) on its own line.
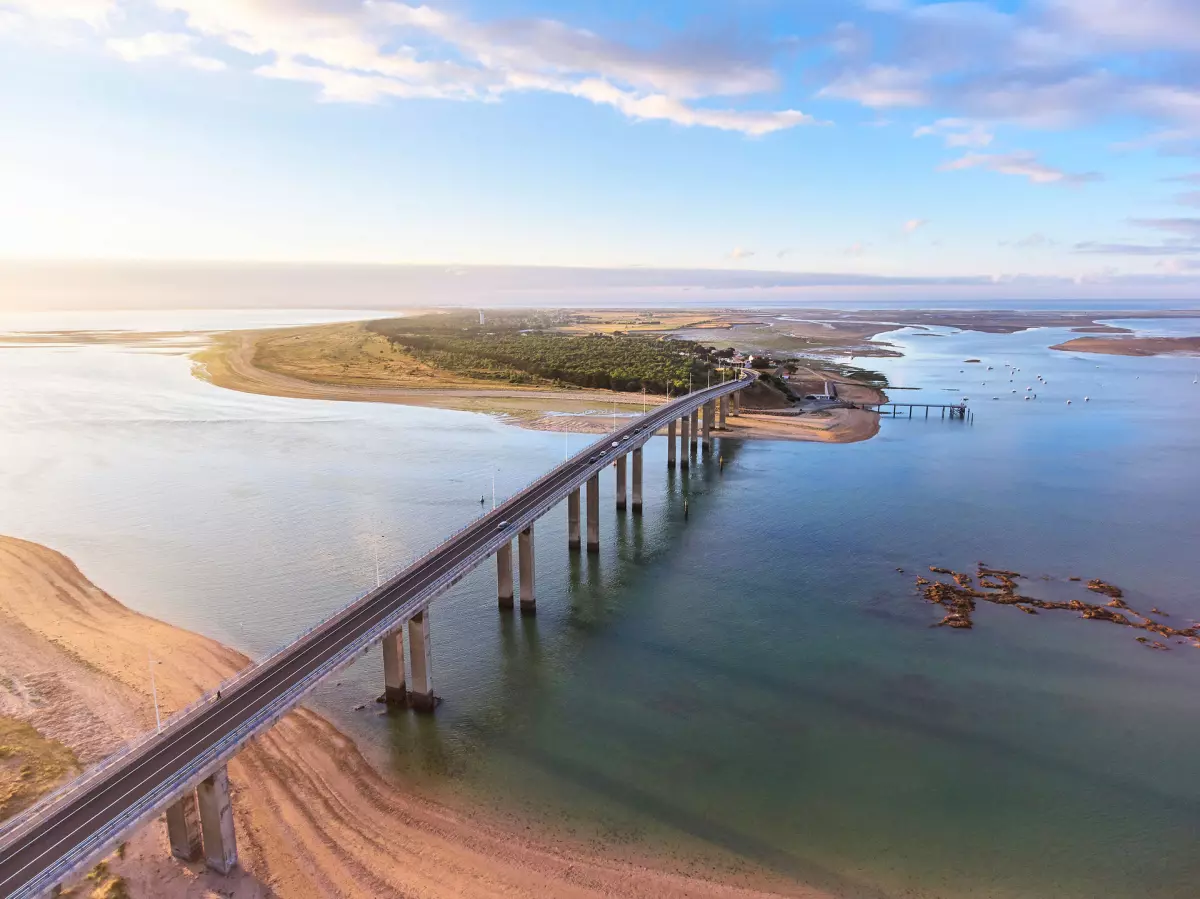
(1048,142)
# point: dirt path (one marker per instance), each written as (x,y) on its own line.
(314,818)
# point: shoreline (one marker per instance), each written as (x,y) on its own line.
(1132,346)
(228,362)
(314,818)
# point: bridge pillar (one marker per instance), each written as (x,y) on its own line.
(183,828)
(722,411)
(683,440)
(694,416)
(216,821)
(736,403)
(593,514)
(671,443)
(395,690)
(504,578)
(708,423)
(525,544)
(421,696)
(637,481)
(573,519)
(620,466)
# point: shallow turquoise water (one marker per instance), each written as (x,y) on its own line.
(757,678)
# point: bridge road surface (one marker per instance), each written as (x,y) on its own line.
(166,765)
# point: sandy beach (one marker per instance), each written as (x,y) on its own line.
(313,817)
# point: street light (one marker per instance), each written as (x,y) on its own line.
(150,663)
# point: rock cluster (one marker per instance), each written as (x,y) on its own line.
(999,587)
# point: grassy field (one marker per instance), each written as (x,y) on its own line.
(30,765)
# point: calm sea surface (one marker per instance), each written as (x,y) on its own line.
(757,678)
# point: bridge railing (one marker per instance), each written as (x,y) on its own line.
(14,827)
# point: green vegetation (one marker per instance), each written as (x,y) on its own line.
(524,348)
(875,379)
(30,765)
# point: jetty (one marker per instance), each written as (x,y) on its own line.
(955,410)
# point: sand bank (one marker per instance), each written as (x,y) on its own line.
(1133,346)
(230,362)
(314,818)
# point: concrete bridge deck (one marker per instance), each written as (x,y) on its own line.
(68,832)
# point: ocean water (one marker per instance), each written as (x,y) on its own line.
(756,678)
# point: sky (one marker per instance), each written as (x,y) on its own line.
(1025,147)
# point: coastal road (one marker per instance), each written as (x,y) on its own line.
(57,839)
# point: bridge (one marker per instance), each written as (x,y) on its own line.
(181,768)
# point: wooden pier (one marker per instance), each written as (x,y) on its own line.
(955,410)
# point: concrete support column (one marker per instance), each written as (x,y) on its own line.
(573,519)
(736,408)
(504,580)
(525,545)
(216,821)
(593,514)
(684,423)
(722,409)
(637,481)
(708,424)
(671,443)
(620,466)
(695,428)
(421,696)
(183,828)
(395,688)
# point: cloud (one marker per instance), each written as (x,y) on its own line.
(858,248)
(159,44)
(1178,266)
(1032,242)
(1147,24)
(1188,198)
(740,253)
(958,132)
(1185,179)
(369,51)
(1023,164)
(880,87)
(1133,249)
(1188,227)
(912,226)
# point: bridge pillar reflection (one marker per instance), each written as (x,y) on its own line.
(622,468)
(504,577)
(525,544)
(694,418)
(708,424)
(420,696)
(183,828)
(637,481)
(683,440)
(573,519)
(216,821)
(593,514)
(395,690)
(671,443)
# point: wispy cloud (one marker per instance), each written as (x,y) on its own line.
(958,132)
(1032,242)
(858,248)
(367,51)
(1022,164)
(741,253)
(912,226)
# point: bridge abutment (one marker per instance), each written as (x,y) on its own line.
(504,576)
(593,514)
(621,467)
(216,821)
(525,543)
(421,696)
(395,689)
(637,481)
(573,519)
(183,828)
